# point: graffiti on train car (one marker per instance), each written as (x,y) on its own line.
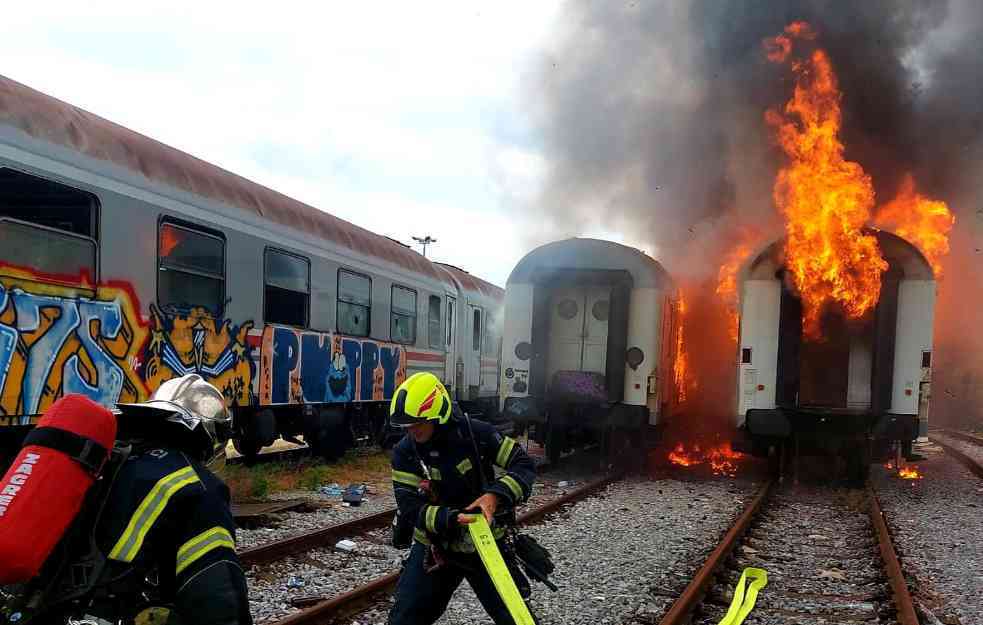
(195,342)
(57,339)
(313,367)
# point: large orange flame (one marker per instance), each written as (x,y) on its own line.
(826,199)
(727,284)
(681,373)
(920,220)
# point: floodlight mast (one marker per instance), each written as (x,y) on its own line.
(425,241)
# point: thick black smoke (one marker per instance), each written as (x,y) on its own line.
(652,112)
(652,117)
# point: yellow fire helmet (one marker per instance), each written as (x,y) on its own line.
(420,398)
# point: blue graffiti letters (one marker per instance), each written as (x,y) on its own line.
(286,355)
(321,367)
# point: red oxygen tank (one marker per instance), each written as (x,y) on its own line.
(44,489)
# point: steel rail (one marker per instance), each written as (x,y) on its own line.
(965,436)
(902,598)
(680,611)
(354,600)
(279,549)
(970,463)
(285,547)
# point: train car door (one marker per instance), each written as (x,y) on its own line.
(450,345)
(578,330)
(473,351)
(597,306)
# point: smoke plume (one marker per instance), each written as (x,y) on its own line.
(652,117)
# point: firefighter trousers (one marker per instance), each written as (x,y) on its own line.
(422,597)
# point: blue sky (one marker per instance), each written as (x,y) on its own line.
(405,118)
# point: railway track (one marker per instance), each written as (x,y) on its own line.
(324,610)
(327,536)
(828,556)
(968,461)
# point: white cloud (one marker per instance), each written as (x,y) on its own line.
(385,114)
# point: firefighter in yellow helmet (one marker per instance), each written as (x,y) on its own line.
(441,468)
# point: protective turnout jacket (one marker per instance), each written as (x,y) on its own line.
(449,458)
(168,519)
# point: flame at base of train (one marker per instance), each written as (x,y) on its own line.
(588,344)
(125,262)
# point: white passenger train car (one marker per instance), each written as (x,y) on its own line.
(588,342)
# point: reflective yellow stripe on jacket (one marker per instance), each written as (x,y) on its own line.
(406,479)
(201,544)
(431,519)
(504,452)
(128,545)
(513,485)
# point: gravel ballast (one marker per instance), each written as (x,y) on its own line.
(937,528)
(624,553)
(329,572)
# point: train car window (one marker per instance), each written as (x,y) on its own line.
(286,296)
(52,255)
(191,269)
(476,330)
(435,332)
(403,315)
(354,303)
(48,227)
(28,198)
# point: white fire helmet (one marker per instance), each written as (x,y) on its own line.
(193,403)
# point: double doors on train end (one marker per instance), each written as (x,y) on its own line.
(578,334)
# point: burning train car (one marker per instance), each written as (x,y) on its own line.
(587,345)
(848,385)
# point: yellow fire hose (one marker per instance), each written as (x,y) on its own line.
(491,557)
(743,601)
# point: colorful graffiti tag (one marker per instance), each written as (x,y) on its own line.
(301,367)
(57,339)
(195,342)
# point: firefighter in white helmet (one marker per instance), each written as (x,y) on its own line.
(159,546)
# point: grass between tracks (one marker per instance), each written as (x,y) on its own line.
(369,467)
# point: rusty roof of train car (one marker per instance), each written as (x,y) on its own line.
(49,119)
(469,282)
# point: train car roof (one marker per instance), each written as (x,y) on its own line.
(473,284)
(900,252)
(590,254)
(48,119)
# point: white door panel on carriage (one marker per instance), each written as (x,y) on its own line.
(578,330)
(760,309)
(450,374)
(596,312)
(916,314)
(473,348)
